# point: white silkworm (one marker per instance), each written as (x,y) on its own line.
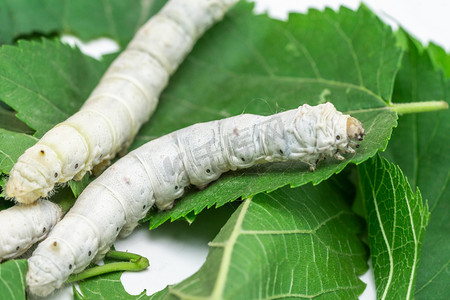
(23,225)
(124,99)
(158,172)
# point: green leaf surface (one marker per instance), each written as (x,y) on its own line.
(255,64)
(396,220)
(9,121)
(46,82)
(4,204)
(12,279)
(291,243)
(440,58)
(78,186)
(105,287)
(12,144)
(88,19)
(64,197)
(420,146)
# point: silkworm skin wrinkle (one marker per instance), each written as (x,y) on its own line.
(23,225)
(124,99)
(159,171)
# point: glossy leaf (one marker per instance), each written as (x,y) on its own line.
(396,220)
(12,279)
(420,146)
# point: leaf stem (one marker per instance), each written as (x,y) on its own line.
(134,263)
(417,107)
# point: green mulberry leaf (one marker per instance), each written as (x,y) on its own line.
(420,146)
(12,279)
(88,19)
(104,287)
(290,243)
(396,220)
(46,82)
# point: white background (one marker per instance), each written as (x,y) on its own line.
(177,250)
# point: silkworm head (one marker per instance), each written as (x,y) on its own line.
(49,267)
(355,130)
(29,178)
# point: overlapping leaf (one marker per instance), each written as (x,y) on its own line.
(396,220)
(87,19)
(46,82)
(299,243)
(420,146)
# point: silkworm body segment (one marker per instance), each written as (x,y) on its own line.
(158,172)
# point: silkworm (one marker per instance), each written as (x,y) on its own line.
(159,171)
(23,225)
(123,100)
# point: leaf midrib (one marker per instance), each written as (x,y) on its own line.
(281,78)
(228,251)
(41,96)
